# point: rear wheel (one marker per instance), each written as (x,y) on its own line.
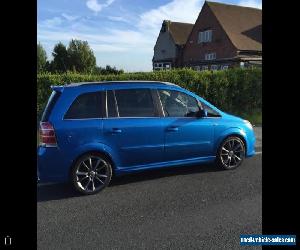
(231,153)
(91,173)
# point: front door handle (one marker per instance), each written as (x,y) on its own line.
(116,130)
(172,129)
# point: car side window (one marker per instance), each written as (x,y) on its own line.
(111,104)
(86,106)
(210,111)
(135,103)
(178,104)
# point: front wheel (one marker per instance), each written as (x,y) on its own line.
(91,173)
(231,153)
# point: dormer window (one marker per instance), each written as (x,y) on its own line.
(205,36)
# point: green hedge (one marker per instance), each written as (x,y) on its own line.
(237,91)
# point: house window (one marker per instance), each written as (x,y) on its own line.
(224,67)
(214,67)
(210,56)
(159,66)
(205,36)
(204,67)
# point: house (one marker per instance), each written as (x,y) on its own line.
(169,45)
(224,36)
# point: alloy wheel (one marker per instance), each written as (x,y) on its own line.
(92,174)
(232,153)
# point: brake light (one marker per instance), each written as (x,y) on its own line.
(47,135)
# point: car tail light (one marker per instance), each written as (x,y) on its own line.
(47,135)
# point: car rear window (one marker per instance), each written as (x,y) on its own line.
(49,107)
(85,106)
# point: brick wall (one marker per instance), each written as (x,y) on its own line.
(221,45)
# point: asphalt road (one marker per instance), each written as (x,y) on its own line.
(258,135)
(198,207)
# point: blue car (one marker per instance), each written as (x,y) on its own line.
(91,131)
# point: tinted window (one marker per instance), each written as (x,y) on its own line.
(135,103)
(111,104)
(178,104)
(86,106)
(51,102)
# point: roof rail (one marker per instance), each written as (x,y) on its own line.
(116,82)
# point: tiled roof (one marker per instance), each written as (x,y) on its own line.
(179,31)
(243,25)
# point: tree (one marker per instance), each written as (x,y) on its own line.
(107,70)
(41,58)
(60,61)
(81,57)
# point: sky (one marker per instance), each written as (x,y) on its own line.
(121,33)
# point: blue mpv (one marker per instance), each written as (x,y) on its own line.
(91,131)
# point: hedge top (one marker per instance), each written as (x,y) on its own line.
(233,90)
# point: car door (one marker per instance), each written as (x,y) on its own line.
(133,127)
(186,135)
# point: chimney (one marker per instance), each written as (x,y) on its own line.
(165,25)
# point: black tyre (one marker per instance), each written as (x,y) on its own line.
(231,153)
(91,173)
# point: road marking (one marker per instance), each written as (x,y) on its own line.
(258,153)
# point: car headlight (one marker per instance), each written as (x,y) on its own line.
(248,124)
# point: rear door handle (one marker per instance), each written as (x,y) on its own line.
(116,130)
(172,129)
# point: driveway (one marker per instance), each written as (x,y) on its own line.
(198,207)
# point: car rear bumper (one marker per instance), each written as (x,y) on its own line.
(53,166)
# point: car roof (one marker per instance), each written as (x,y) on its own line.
(103,83)
(115,84)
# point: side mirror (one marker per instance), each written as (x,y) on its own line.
(202,113)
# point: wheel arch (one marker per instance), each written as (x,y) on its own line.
(231,132)
(104,151)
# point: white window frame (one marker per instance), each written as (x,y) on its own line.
(214,67)
(161,65)
(205,36)
(168,66)
(223,67)
(197,68)
(210,56)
